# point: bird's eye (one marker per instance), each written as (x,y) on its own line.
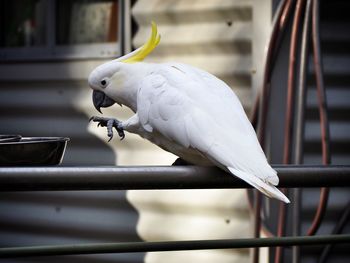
(103,82)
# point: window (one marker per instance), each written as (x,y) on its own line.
(86,22)
(52,29)
(22,23)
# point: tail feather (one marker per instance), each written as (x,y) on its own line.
(265,188)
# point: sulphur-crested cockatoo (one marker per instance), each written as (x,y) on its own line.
(184,110)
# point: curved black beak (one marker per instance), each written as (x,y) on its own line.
(100,100)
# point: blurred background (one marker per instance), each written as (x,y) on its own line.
(49,47)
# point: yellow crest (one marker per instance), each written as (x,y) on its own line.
(146,49)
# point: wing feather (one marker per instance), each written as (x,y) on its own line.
(195,109)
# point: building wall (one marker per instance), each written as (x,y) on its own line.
(53,99)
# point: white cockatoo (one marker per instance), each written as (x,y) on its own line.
(184,110)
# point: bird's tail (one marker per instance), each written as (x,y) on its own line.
(265,188)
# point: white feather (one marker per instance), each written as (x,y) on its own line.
(256,182)
(194,110)
(196,116)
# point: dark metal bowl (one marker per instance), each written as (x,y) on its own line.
(33,151)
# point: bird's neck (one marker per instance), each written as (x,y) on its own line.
(133,76)
(129,96)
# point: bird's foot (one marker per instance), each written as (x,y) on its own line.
(109,123)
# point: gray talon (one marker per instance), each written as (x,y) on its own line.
(109,123)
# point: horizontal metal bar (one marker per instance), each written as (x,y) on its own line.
(159,177)
(128,247)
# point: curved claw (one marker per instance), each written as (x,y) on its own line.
(109,123)
(121,135)
(120,131)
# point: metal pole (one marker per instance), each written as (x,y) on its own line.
(129,247)
(323,111)
(261,104)
(300,122)
(159,177)
(289,118)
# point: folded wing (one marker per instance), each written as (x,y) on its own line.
(195,109)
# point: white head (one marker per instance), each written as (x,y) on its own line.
(108,80)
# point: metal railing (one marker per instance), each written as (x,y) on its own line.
(127,247)
(158,177)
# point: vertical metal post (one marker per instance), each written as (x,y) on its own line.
(51,26)
(322,106)
(278,26)
(126,29)
(289,120)
(121,27)
(300,123)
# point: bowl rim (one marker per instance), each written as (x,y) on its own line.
(31,140)
(10,138)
